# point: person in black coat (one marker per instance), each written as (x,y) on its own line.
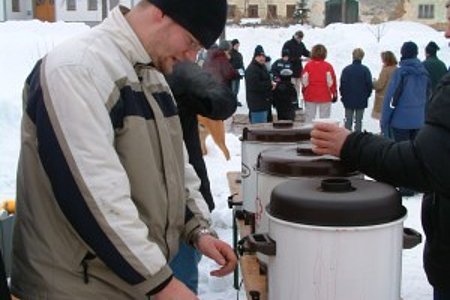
(196,92)
(435,67)
(237,62)
(4,289)
(280,64)
(285,96)
(297,50)
(355,88)
(258,87)
(422,164)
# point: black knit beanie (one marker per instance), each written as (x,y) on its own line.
(259,50)
(431,48)
(204,19)
(409,50)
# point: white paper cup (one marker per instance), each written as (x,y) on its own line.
(326,120)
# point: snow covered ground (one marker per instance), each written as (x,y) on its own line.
(22,43)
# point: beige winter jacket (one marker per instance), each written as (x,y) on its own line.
(380,85)
(103,193)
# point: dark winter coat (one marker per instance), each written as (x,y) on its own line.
(356,85)
(422,164)
(404,107)
(279,65)
(4,289)
(436,69)
(218,65)
(284,99)
(296,51)
(196,92)
(258,87)
(236,60)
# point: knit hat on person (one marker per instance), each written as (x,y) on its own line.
(234,42)
(259,50)
(409,50)
(204,19)
(284,52)
(224,45)
(299,34)
(431,48)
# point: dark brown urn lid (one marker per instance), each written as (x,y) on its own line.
(276,132)
(300,161)
(335,202)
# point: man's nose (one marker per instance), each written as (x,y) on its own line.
(191,55)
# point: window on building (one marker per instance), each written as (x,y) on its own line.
(231,11)
(290,11)
(92,4)
(271,11)
(71,4)
(113,3)
(426,11)
(253,11)
(15,6)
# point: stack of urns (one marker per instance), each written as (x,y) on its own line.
(277,165)
(255,139)
(324,232)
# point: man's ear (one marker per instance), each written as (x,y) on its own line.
(157,13)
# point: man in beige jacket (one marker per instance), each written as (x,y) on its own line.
(104,194)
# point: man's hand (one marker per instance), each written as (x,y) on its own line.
(175,290)
(220,252)
(328,138)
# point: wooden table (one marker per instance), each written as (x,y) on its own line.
(248,263)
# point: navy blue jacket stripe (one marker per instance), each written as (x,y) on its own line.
(66,191)
(134,103)
(166,103)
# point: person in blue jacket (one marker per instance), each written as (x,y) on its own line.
(355,88)
(404,102)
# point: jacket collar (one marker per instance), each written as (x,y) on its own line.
(128,41)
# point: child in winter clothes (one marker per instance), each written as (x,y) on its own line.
(285,96)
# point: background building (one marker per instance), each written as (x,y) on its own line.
(318,12)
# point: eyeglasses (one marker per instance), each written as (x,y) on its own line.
(194,45)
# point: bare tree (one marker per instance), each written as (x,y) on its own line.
(378,31)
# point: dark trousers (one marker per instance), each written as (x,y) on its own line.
(439,294)
(4,290)
(401,135)
(235,84)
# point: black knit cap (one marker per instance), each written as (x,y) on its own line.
(409,50)
(432,48)
(204,19)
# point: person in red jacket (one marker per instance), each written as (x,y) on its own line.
(319,85)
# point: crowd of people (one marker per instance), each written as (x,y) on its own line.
(288,86)
(417,157)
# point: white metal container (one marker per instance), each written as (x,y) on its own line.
(337,243)
(277,165)
(339,263)
(257,138)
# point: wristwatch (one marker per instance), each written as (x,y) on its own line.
(200,232)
